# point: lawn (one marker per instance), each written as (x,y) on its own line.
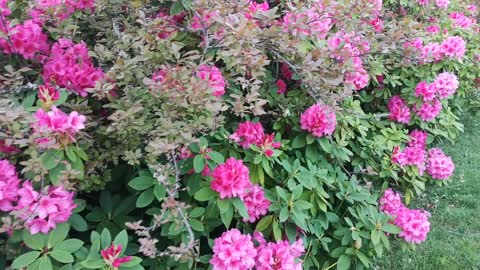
(454,239)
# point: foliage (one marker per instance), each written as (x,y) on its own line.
(184,125)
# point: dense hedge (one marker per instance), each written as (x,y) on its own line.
(221,134)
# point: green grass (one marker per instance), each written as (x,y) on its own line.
(454,240)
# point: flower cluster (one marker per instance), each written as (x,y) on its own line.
(399,110)
(460,20)
(256,203)
(312,22)
(26,39)
(347,48)
(444,86)
(249,133)
(318,120)
(413,223)
(8,186)
(439,165)
(56,127)
(40,211)
(43,10)
(111,256)
(453,47)
(280,255)
(232,179)
(214,77)
(234,250)
(70,66)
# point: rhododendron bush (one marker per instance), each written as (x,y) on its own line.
(208,134)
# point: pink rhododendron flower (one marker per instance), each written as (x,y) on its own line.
(377,24)
(8,185)
(70,66)
(282,87)
(399,110)
(446,84)
(231,179)
(48,94)
(358,78)
(439,165)
(233,251)
(58,126)
(318,120)
(254,7)
(390,202)
(26,39)
(423,2)
(454,47)
(214,77)
(4,10)
(268,144)
(460,20)
(411,156)
(111,256)
(426,91)
(278,256)
(429,110)
(414,224)
(431,52)
(442,3)
(42,211)
(312,22)
(256,203)
(433,29)
(418,139)
(248,133)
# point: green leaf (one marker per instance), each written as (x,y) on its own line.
(344,262)
(227,217)
(78,166)
(176,8)
(55,173)
(277,233)
(121,239)
(264,223)
(50,159)
(145,198)
(69,245)
(390,228)
(299,141)
(283,214)
(217,157)
(58,235)
(105,238)
(78,223)
(45,263)
(364,259)
(198,163)
(205,194)
(25,259)
(141,182)
(240,206)
(71,155)
(61,256)
(134,260)
(196,225)
(257,159)
(196,212)
(160,192)
(375,236)
(81,153)
(63,97)
(223,205)
(325,144)
(35,241)
(93,264)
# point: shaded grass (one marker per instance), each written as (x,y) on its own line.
(454,240)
